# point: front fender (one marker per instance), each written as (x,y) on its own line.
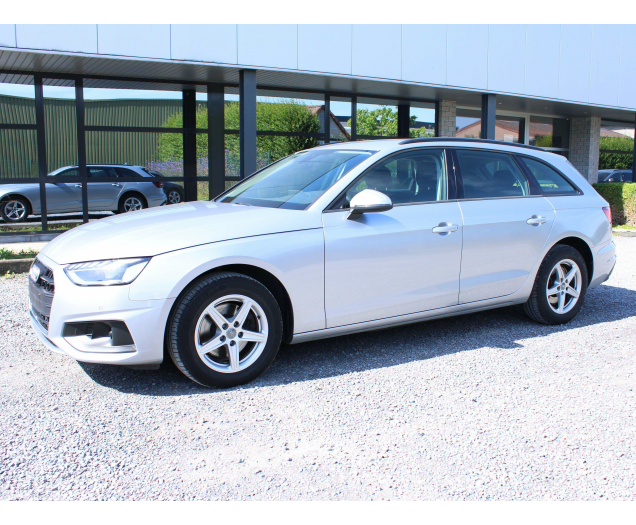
(296,259)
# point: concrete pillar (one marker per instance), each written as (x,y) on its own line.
(585,140)
(445,118)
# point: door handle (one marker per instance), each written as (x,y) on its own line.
(115,184)
(445,227)
(536,220)
(78,185)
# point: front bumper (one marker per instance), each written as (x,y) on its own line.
(145,320)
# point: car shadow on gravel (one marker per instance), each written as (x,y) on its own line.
(501,328)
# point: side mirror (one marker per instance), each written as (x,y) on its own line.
(369,201)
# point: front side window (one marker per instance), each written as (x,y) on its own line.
(413,177)
(489,174)
(549,180)
(296,182)
(64,172)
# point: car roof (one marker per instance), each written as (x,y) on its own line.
(393,143)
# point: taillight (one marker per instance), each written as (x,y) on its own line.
(158,184)
(608,213)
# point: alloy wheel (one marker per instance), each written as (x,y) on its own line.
(231,333)
(174,197)
(15,210)
(564,286)
(132,204)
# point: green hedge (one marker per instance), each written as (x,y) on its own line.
(616,161)
(622,198)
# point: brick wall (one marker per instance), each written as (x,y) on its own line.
(585,138)
(447,112)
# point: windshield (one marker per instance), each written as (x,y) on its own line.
(297,181)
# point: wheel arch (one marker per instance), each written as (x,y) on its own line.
(581,246)
(266,278)
(128,193)
(9,196)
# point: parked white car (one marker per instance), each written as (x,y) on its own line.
(338,239)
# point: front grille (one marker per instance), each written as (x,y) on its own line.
(42,319)
(41,293)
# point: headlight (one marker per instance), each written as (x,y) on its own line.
(106,273)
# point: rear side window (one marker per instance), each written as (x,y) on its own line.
(125,172)
(101,172)
(489,174)
(549,179)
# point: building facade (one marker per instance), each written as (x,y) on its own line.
(195,98)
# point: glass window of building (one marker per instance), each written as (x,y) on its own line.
(549,133)
(376,119)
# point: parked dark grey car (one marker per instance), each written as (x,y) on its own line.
(615,176)
(174,192)
(18,201)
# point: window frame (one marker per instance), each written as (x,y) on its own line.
(451,186)
(533,186)
(528,173)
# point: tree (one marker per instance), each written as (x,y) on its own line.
(382,122)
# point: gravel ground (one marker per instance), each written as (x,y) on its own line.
(485,406)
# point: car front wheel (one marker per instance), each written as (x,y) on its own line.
(225,330)
(14,210)
(559,288)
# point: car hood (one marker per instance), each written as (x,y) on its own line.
(159,230)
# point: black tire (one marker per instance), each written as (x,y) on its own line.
(127,199)
(15,209)
(538,307)
(182,328)
(174,196)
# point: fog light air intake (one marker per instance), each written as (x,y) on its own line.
(99,336)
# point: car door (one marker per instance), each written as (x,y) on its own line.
(102,195)
(506,224)
(62,197)
(397,262)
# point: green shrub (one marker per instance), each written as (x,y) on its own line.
(617,161)
(6,254)
(622,199)
(286,116)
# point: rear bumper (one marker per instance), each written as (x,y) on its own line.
(604,262)
(157,200)
(145,320)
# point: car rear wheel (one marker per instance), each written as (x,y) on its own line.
(559,288)
(225,330)
(174,196)
(15,209)
(131,202)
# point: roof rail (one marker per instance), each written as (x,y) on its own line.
(458,139)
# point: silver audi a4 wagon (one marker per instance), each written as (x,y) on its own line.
(341,238)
